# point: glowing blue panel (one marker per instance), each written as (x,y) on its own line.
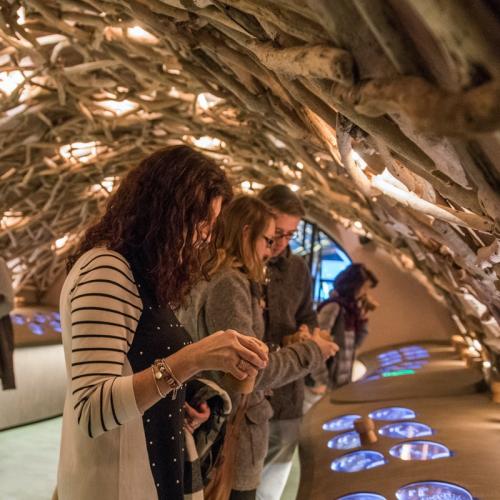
(388,354)
(56,326)
(358,460)
(39,318)
(19,319)
(345,441)
(420,450)
(343,423)
(405,430)
(56,316)
(362,496)
(393,413)
(433,490)
(390,361)
(36,328)
(412,348)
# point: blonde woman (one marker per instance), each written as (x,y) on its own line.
(232,299)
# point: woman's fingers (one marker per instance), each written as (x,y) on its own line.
(253,350)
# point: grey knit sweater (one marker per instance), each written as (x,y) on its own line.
(289,305)
(227,301)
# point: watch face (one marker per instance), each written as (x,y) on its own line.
(343,423)
(433,490)
(358,460)
(420,450)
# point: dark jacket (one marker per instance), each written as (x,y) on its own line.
(228,301)
(289,305)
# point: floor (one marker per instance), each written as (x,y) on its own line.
(35,447)
(28,460)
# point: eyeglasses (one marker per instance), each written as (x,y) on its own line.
(288,236)
(269,241)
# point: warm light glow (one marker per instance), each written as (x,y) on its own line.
(486,364)
(206,100)
(294,187)
(207,142)
(21,16)
(279,144)
(246,185)
(358,224)
(173,92)
(299,165)
(477,345)
(140,34)
(17,269)
(389,178)
(10,219)
(107,185)
(10,80)
(60,242)
(358,160)
(118,108)
(79,151)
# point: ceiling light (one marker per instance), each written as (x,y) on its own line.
(207,142)
(10,219)
(79,151)
(294,187)
(206,100)
(358,160)
(118,108)
(140,34)
(10,80)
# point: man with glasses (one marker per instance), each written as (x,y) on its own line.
(288,307)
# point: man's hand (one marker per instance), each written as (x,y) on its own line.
(195,417)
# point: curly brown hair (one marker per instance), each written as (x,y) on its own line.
(156,214)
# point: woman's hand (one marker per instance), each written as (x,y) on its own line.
(195,417)
(230,352)
(328,348)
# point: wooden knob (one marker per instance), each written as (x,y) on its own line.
(366,430)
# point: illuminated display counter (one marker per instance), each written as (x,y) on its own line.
(435,428)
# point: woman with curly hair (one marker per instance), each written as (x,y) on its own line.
(128,358)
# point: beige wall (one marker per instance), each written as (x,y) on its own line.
(407,311)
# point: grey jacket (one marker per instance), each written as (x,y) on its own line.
(289,305)
(228,301)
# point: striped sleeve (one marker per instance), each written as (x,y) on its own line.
(105,310)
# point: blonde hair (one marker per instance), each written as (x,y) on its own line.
(232,248)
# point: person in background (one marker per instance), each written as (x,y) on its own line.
(232,298)
(127,356)
(6,330)
(345,315)
(289,307)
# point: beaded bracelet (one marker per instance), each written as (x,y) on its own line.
(162,370)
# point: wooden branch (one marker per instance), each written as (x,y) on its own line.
(425,106)
(317,61)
